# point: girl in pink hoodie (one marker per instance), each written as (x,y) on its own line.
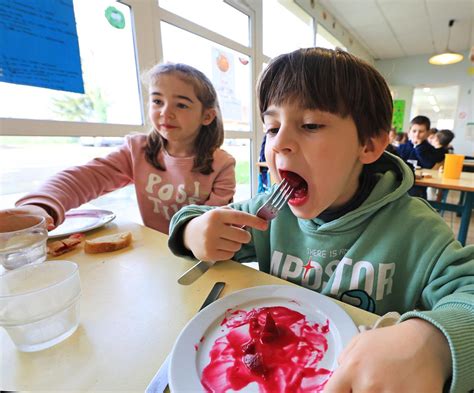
(177,164)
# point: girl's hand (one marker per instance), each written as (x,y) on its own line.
(30,209)
(412,356)
(218,234)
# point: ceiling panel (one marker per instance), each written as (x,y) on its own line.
(395,28)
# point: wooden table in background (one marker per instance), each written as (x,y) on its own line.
(465,184)
(132,310)
(468,165)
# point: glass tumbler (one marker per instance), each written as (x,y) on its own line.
(22,240)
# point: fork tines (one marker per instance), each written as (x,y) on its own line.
(281,195)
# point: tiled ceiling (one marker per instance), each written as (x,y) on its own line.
(399,28)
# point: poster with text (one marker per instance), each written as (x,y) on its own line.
(39,45)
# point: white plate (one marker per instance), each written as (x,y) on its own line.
(78,221)
(191,352)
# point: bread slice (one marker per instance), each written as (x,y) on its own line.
(108,243)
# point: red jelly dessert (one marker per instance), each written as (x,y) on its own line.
(275,347)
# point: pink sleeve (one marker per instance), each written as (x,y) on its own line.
(223,188)
(77,185)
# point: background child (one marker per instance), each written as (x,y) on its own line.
(392,141)
(431,133)
(401,138)
(417,151)
(178,163)
(441,142)
(417,147)
(350,230)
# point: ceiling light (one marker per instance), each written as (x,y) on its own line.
(426,89)
(436,108)
(448,57)
(432,100)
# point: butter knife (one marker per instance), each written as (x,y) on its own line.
(191,275)
(160,381)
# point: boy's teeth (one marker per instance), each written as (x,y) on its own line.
(299,192)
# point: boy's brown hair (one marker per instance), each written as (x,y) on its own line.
(445,137)
(332,81)
(422,121)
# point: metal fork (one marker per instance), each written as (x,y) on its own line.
(280,195)
(268,211)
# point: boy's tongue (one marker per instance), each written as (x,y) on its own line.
(297,182)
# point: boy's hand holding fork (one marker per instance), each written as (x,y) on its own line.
(219,233)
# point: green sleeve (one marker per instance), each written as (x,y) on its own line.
(182,217)
(449,297)
(177,224)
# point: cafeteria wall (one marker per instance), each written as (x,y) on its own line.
(415,71)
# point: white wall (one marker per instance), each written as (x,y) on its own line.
(416,71)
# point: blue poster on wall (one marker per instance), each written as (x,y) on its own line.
(39,45)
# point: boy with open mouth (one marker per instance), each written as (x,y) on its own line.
(350,230)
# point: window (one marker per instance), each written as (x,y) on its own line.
(212,35)
(26,162)
(240,149)
(112,93)
(224,51)
(439,103)
(215,15)
(281,17)
(228,70)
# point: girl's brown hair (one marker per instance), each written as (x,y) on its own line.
(331,81)
(210,137)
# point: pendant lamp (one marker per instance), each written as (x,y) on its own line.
(448,57)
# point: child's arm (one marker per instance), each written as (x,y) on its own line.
(31,210)
(218,234)
(245,210)
(426,155)
(412,356)
(446,324)
(223,187)
(77,185)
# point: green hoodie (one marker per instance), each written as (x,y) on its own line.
(392,253)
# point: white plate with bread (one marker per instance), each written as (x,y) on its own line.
(80,221)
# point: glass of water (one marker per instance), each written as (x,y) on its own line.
(22,241)
(40,304)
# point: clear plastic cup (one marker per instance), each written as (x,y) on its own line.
(22,240)
(39,304)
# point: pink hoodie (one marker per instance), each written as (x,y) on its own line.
(160,194)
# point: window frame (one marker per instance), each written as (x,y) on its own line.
(254,12)
(146,16)
(145,54)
